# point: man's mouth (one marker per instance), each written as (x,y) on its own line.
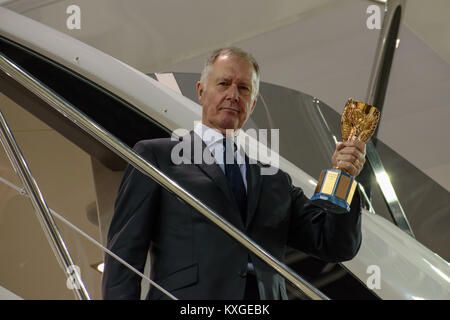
(230,109)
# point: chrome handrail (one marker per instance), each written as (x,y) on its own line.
(42,211)
(375,96)
(55,214)
(123,151)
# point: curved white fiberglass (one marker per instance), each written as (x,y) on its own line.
(408,270)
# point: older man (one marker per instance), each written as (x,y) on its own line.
(191,257)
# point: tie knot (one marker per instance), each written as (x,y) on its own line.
(229,143)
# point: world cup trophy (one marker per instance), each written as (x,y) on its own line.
(336,187)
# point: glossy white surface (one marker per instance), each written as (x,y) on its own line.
(5,294)
(408,270)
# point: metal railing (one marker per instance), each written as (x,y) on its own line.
(42,211)
(56,215)
(123,151)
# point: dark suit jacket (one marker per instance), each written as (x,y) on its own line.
(194,259)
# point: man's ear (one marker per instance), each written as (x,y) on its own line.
(200,90)
(254,103)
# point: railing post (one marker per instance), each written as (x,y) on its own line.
(42,211)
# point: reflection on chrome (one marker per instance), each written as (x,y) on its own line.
(385,182)
(335,139)
(416,298)
(438,271)
(368,202)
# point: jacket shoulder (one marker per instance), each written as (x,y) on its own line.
(144,146)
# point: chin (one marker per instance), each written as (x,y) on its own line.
(228,124)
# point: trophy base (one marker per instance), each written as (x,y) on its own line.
(330,205)
(334,191)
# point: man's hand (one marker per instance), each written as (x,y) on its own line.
(350,156)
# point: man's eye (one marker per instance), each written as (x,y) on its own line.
(245,90)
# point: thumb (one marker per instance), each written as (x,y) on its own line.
(340,145)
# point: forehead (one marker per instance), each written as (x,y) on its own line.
(231,66)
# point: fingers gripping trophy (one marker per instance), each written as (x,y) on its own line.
(336,187)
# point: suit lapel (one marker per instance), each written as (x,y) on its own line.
(254,182)
(214,172)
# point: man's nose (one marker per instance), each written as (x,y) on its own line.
(233,93)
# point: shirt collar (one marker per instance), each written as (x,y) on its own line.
(211,137)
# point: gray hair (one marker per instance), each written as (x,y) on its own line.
(231,51)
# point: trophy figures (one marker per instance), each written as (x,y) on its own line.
(335,188)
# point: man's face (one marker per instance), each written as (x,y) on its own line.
(228,96)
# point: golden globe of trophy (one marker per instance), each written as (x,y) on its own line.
(335,188)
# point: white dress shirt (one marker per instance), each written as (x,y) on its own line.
(213,140)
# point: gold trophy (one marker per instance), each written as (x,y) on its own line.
(335,188)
